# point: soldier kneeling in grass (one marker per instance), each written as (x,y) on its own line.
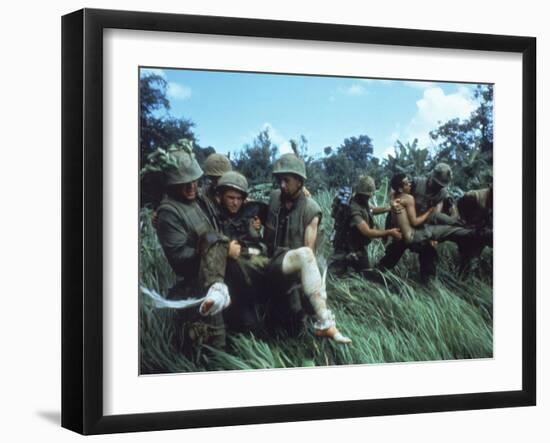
(355,228)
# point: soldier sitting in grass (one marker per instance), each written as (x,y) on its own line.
(291,235)
(241,220)
(196,251)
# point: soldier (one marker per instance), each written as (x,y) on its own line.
(357,228)
(475,209)
(414,228)
(215,166)
(241,220)
(195,251)
(428,192)
(292,235)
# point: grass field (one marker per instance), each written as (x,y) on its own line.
(398,321)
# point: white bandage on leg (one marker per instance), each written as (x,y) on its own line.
(218,297)
(303,261)
(325,321)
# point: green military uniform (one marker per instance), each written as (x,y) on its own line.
(476,210)
(198,255)
(353,251)
(285,230)
(193,248)
(211,205)
(245,276)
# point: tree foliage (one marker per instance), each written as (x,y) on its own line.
(158,131)
(255,160)
(467,145)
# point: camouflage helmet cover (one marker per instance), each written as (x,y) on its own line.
(216,164)
(442,174)
(184,167)
(233,180)
(365,185)
(290,164)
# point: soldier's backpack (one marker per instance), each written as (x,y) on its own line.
(341,212)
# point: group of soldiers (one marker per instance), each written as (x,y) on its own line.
(245,257)
(420,215)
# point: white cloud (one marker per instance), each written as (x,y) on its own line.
(279,139)
(435,108)
(355,90)
(178,92)
(156,71)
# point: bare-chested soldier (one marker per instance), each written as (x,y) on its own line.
(414,228)
(405,218)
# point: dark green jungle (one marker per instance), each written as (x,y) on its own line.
(395,320)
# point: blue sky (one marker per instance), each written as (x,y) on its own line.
(229,109)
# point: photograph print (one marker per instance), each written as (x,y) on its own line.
(293,221)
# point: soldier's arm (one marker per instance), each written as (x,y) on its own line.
(364,228)
(179,248)
(408,203)
(310,235)
(381,210)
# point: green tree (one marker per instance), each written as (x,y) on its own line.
(408,159)
(255,160)
(467,145)
(354,157)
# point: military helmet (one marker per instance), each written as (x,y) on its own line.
(442,174)
(187,170)
(290,164)
(216,164)
(233,180)
(365,185)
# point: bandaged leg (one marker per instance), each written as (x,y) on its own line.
(303,261)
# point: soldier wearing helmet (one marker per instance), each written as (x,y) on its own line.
(241,220)
(356,228)
(215,166)
(292,234)
(196,252)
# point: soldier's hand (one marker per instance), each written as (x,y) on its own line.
(306,192)
(234,250)
(395,233)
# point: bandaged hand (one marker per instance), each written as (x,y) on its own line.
(217,299)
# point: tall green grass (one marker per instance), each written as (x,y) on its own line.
(398,320)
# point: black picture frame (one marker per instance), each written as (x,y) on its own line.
(82,218)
